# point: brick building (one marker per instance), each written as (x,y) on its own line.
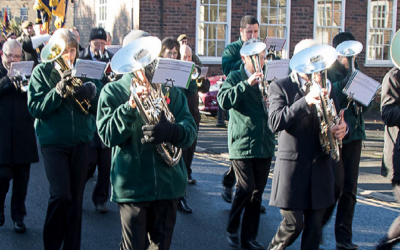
(212,24)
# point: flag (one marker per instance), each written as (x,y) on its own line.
(59,9)
(6,23)
(43,13)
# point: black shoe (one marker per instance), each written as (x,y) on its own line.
(183,206)
(384,244)
(253,244)
(19,227)
(2,219)
(190,180)
(233,239)
(227,194)
(346,246)
(101,208)
(263,210)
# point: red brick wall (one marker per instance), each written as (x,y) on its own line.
(85,19)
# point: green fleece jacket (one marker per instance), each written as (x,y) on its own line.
(336,73)
(59,121)
(138,172)
(249,135)
(231,59)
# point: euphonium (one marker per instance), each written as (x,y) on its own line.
(394,50)
(311,61)
(253,48)
(53,52)
(349,49)
(132,59)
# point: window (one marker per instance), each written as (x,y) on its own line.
(381,28)
(329,20)
(23,14)
(274,19)
(102,14)
(213,29)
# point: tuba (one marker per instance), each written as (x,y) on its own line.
(310,61)
(132,59)
(253,48)
(394,51)
(53,52)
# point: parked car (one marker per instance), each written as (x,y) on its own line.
(208,103)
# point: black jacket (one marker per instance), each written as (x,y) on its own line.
(17,139)
(303,174)
(29,53)
(390,109)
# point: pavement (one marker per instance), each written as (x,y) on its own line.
(212,142)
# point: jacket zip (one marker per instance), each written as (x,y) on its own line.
(155,176)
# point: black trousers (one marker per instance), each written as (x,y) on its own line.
(188,153)
(66,170)
(346,178)
(100,157)
(20,175)
(229,179)
(294,222)
(252,176)
(148,225)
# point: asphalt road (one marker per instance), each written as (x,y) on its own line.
(203,230)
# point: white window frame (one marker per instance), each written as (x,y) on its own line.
(342,21)
(392,28)
(286,47)
(214,59)
(100,21)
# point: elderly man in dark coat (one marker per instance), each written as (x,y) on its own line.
(17,140)
(303,177)
(390,109)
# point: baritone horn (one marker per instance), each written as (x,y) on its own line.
(349,49)
(315,60)
(52,52)
(394,50)
(132,59)
(253,48)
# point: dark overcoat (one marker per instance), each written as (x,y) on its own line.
(303,175)
(390,109)
(17,139)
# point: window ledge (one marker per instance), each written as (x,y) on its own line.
(378,65)
(210,60)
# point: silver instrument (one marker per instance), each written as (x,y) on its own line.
(253,48)
(349,49)
(52,52)
(315,60)
(132,59)
(394,50)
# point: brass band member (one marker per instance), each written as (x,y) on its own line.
(17,140)
(145,187)
(302,186)
(251,147)
(64,132)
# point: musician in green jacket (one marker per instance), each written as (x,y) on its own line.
(145,187)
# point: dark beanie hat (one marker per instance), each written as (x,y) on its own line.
(98,33)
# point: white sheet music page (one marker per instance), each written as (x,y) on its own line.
(173,71)
(20,68)
(204,71)
(89,69)
(113,48)
(363,88)
(277,69)
(274,43)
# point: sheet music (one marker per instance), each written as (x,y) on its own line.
(277,69)
(362,87)
(171,70)
(20,68)
(204,71)
(89,69)
(113,48)
(274,43)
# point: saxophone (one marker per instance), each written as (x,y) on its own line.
(132,59)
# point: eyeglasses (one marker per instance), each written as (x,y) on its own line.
(99,44)
(12,56)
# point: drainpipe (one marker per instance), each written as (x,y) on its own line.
(162,18)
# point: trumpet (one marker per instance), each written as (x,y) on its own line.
(53,52)
(253,48)
(132,59)
(316,60)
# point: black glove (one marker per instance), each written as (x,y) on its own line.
(5,84)
(164,131)
(63,83)
(86,91)
(17,82)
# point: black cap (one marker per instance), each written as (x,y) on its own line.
(9,34)
(98,33)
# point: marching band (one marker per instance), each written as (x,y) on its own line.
(141,135)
